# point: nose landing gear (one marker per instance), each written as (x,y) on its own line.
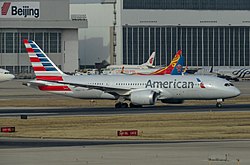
(219,103)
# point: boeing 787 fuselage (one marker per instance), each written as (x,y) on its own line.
(138,90)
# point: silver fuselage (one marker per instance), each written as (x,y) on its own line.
(185,87)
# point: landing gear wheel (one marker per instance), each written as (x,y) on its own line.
(124,105)
(121,105)
(218,105)
(131,105)
(118,105)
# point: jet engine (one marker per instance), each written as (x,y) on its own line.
(143,97)
(172,101)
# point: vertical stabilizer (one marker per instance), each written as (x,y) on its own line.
(43,67)
(150,61)
(178,69)
(168,69)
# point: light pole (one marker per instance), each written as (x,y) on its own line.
(113,2)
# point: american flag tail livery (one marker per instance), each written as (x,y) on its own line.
(43,67)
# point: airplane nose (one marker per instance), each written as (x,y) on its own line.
(12,76)
(234,92)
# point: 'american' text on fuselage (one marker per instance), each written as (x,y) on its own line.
(169,84)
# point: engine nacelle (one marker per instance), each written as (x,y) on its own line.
(143,97)
(172,101)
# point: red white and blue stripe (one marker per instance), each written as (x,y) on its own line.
(200,83)
(43,67)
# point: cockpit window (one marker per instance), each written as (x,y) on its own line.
(228,84)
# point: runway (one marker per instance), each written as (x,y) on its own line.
(11,112)
(112,152)
(7,143)
(82,152)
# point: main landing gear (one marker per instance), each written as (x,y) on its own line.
(121,105)
(125,105)
(219,103)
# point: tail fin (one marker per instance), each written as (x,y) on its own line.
(168,69)
(150,61)
(177,70)
(43,67)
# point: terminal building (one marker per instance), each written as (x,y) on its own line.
(209,32)
(48,23)
(79,33)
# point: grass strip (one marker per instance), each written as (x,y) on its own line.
(181,126)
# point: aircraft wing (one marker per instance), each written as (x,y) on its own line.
(111,90)
(108,89)
(116,91)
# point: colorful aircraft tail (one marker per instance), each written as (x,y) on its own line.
(178,70)
(43,67)
(168,69)
(150,61)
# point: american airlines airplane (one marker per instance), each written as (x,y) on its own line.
(146,65)
(138,90)
(5,75)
